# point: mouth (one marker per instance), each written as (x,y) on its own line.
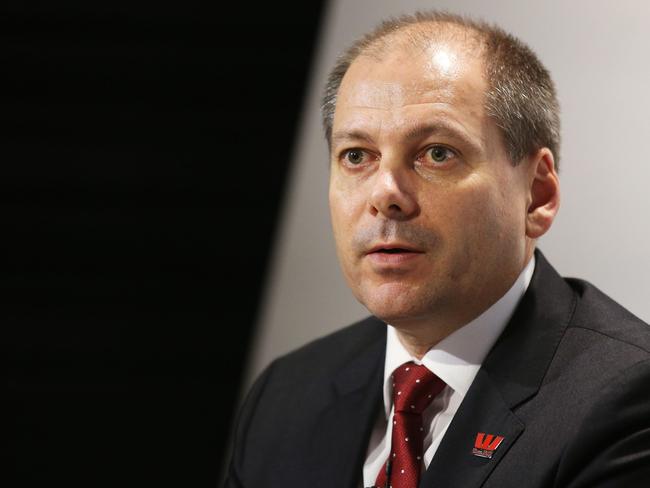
(394,249)
(393,257)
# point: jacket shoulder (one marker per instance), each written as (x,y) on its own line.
(334,350)
(598,313)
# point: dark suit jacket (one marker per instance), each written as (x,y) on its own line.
(567,385)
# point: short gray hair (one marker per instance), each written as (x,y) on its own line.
(521,96)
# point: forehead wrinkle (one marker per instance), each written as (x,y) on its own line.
(439,118)
(383,92)
(390,94)
(406,105)
(394,95)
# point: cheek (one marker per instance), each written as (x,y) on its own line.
(337,216)
(345,207)
(343,215)
(343,218)
(458,208)
(494,213)
(475,216)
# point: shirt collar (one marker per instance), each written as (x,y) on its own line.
(458,357)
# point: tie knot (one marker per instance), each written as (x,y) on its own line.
(414,387)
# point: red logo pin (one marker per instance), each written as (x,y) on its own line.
(486,444)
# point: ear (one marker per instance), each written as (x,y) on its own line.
(544,193)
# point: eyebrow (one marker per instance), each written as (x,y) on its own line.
(351,135)
(416,132)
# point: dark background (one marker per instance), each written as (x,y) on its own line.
(144,154)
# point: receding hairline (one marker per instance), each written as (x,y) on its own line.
(422,34)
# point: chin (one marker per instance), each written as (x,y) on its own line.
(392,308)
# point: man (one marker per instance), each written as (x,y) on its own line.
(479,366)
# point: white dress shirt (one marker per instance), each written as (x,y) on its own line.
(456,360)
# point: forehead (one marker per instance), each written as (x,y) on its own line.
(444,79)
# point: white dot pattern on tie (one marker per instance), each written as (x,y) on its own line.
(416,387)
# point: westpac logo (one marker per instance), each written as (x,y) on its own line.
(486,444)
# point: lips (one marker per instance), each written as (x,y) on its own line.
(393,248)
(393,257)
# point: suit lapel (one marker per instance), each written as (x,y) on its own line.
(343,429)
(511,374)
(483,411)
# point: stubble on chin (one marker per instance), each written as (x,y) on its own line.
(399,302)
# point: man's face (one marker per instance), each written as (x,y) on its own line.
(418,167)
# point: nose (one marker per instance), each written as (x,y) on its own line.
(390,196)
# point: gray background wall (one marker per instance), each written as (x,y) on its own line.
(597,54)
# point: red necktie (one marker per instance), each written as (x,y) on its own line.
(414,388)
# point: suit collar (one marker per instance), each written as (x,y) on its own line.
(530,339)
(351,413)
(532,335)
(366,364)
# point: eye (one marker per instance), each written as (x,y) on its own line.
(439,154)
(354,156)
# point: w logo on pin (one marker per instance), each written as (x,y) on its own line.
(485,445)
